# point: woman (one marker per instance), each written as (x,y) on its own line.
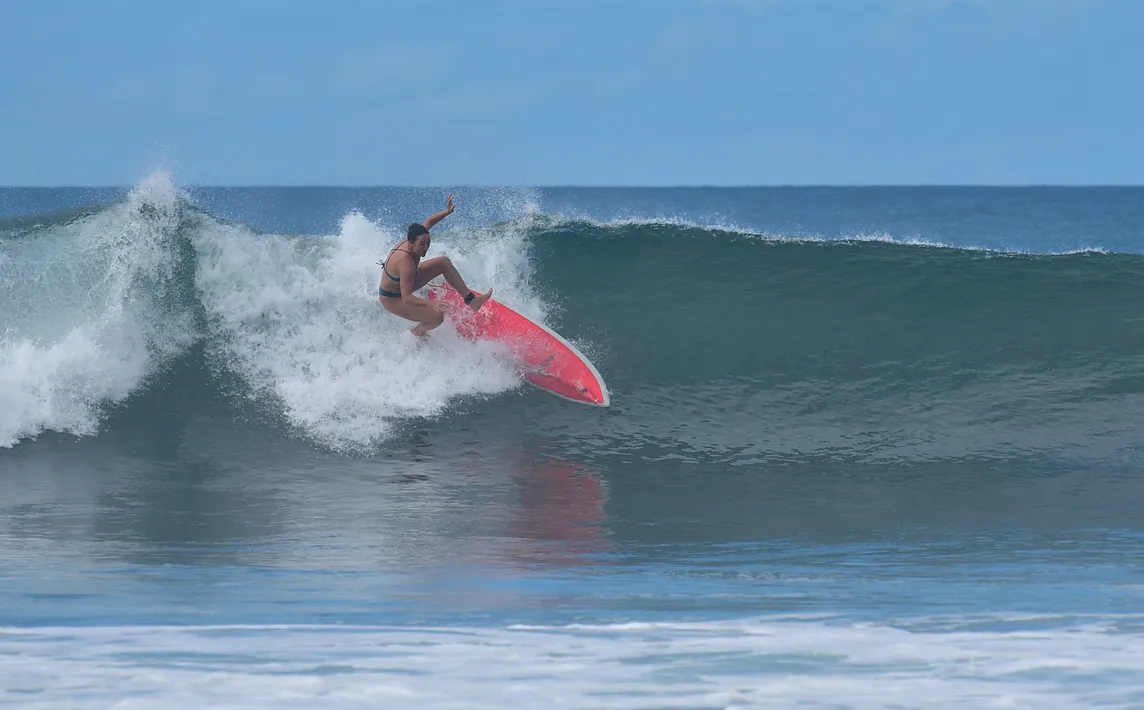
(402,273)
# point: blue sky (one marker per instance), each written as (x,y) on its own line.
(573,92)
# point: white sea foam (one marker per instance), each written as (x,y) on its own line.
(84,320)
(299,319)
(802,662)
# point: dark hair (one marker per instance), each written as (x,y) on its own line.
(415,230)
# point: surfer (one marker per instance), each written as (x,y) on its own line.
(402,273)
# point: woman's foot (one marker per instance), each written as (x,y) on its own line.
(479,299)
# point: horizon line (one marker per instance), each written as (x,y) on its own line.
(580,186)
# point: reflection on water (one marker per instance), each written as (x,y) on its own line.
(560,502)
(193,493)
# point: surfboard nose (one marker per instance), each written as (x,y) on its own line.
(597,395)
(545,358)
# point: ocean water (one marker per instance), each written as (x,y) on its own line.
(868,448)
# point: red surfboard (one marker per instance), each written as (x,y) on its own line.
(546,360)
